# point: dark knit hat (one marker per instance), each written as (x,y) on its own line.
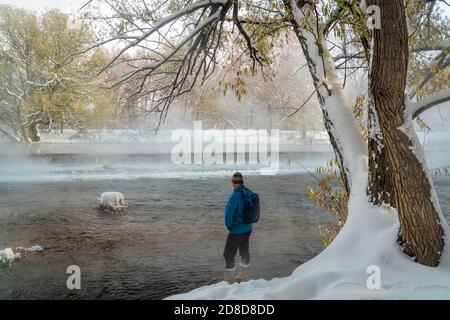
(237,178)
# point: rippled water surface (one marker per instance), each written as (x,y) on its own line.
(169,240)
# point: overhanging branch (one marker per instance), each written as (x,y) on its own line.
(428,102)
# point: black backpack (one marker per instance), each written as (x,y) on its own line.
(251,206)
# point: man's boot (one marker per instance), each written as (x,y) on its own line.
(243,273)
(230,275)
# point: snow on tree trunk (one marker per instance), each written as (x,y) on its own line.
(410,190)
(398,173)
(22,127)
(345,137)
(24,132)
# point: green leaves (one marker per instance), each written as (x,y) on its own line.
(329,194)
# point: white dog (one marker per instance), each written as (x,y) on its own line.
(113,201)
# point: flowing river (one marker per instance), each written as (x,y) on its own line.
(170,240)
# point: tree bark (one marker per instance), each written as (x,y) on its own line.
(397,173)
(13,138)
(379,187)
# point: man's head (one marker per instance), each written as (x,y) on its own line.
(237,180)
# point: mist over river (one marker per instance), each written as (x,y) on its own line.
(170,240)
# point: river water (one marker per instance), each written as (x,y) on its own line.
(170,240)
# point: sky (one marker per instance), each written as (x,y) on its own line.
(72,5)
(40,5)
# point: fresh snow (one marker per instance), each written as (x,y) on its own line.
(31,249)
(433,99)
(8,256)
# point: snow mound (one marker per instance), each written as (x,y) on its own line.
(31,249)
(8,256)
(364,252)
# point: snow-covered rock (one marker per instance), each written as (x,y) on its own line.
(7,256)
(114,201)
(31,249)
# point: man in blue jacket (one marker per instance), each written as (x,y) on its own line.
(239,233)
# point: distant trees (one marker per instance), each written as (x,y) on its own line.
(278,97)
(46,77)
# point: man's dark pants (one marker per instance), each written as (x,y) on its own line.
(235,242)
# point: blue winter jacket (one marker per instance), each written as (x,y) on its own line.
(234,213)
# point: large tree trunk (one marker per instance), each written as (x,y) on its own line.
(379,182)
(21,126)
(397,171)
